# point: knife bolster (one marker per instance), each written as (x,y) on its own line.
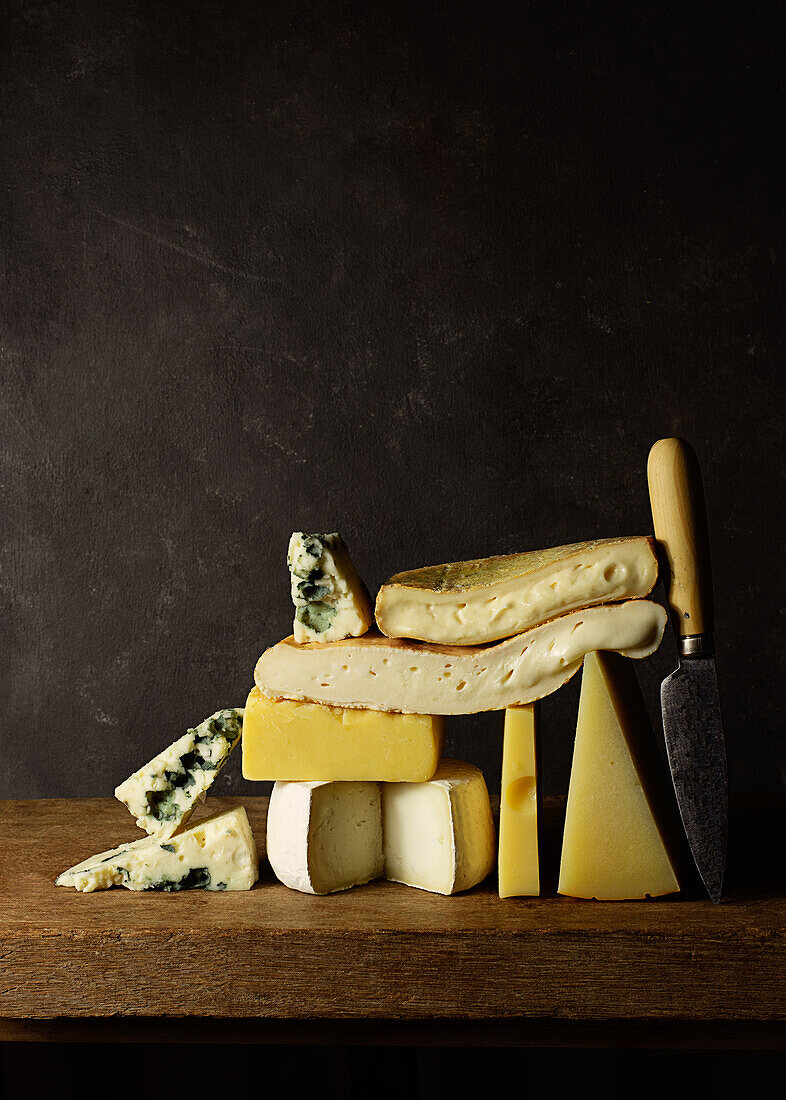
(696,645)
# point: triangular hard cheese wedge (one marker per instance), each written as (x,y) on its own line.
(612,846)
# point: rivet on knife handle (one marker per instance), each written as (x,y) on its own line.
(677,500)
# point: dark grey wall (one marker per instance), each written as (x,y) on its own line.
(435,275)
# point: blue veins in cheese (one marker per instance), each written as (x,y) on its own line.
(219,853)
(162,795)
(331,601)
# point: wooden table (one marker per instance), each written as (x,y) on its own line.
(382,963)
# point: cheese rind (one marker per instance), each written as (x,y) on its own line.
(163,793)
(388,674)
(439,836)
(331,601)
(612,847)
(292,740)
(218,853)
(473,602)
(518,867)
(324,837)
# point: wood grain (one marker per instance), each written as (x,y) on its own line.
(379,952)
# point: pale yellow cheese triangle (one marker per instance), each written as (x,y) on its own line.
(612,847)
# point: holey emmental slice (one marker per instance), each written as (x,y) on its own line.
(163,793)
(331,601)
(439,836)
(379,673)
(472,602)
(613,847)
(217,854)
(324,837)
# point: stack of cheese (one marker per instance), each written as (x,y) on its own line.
(219,853)
(348,719)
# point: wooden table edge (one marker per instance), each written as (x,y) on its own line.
(678,1034)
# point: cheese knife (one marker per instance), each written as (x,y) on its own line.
(692,725)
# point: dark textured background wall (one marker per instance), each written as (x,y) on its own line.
(435,275)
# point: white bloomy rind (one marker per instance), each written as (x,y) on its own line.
(439,836)
(324,837)
(219,853)
(379,673)
(471,603)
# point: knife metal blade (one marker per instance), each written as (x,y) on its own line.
(696,750)
(690,700)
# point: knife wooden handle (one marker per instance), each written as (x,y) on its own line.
(678,513)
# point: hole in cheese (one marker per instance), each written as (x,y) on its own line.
(521,794)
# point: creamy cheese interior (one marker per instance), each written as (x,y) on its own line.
(325,837)
(439,836)
(379,673)
(469,603)
(217,854)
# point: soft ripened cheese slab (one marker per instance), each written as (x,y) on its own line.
(294,740)
(388,674)
(331,601)
(472,602)
(163,793)
(325,837)
(612,846)
(517,863)
(218,853)
(439,836)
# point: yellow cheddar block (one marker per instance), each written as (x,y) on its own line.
(612,846)
(518,869)
(289,739)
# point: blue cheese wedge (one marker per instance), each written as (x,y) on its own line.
(162,795)
(217,854)
(331,601)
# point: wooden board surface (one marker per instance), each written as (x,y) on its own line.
(382,951)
